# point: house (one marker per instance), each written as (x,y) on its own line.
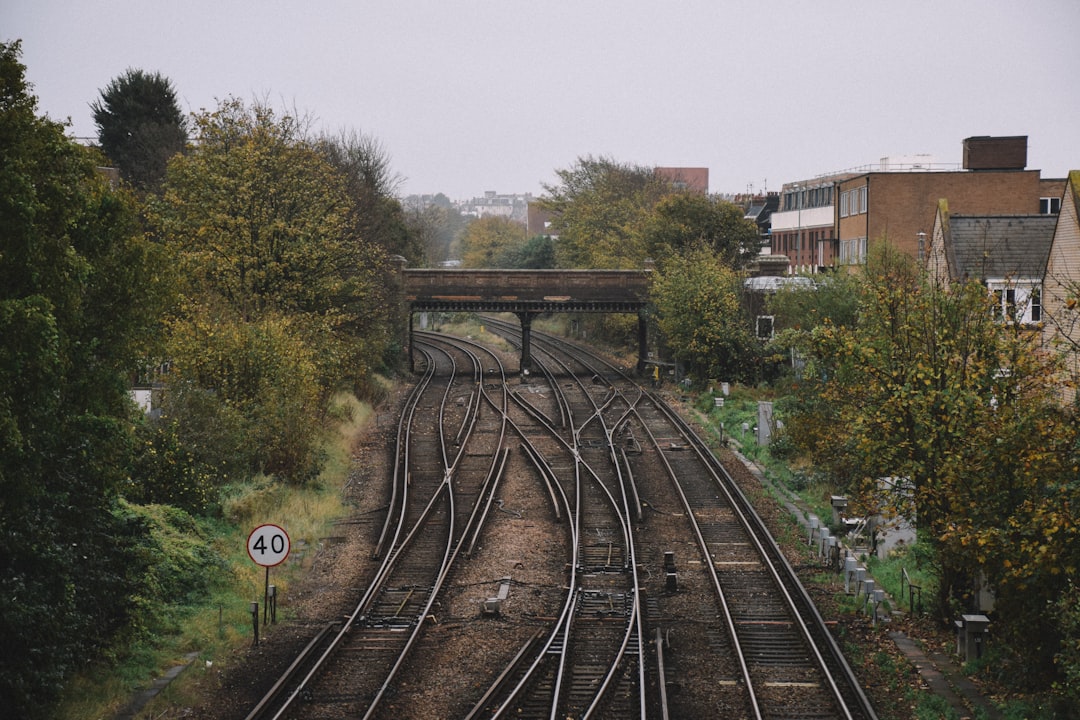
(898,202)
(1007,253)
(1061,284)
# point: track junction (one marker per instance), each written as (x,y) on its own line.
(652,589)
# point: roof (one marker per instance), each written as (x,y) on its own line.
(755,211)
(772,283)
(1000,246)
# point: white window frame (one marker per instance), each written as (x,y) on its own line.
(853,252)
(1017,301)
(843,204)
(1049,206)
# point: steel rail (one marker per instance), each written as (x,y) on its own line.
(453,544)
(393,557)
(784,581)
(755,528)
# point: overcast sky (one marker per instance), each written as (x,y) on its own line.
(469,96)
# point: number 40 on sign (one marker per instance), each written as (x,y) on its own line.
(268,545)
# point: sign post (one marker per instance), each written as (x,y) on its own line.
(268,545)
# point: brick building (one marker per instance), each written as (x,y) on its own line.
(899,206)
(804,225)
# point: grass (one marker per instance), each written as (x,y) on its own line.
(889,574)
(221,622)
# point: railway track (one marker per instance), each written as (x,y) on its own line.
(788,665)
(436,501)
(672,600)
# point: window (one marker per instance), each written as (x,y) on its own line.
(862,199)
(1016,302)
(853,252)
(1049,205)
(843,204)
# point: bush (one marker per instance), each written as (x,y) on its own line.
(259,381)
(174,564)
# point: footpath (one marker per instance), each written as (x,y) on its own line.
(144,696)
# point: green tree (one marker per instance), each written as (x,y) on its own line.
(538,253)
(832,298)
(265,382)
(798,308)
(487,241)
(601,209)
(79,295)
(140,126)
(680,220)
(699,314)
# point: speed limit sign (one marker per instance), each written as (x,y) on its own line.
(268,545)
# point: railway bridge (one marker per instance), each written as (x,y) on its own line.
(526,294)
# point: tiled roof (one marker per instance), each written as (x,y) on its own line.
(1000,246)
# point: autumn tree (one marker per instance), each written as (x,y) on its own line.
(140,126)
(698,312)
(79,296)
(263,226)
(371,184)
(931,389)
(488,240)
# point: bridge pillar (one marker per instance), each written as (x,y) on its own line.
(642,341)
(526,341)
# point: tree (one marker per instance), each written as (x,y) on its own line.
(799,308)
(140,126)
(680,220)
(698,311)
(263,224)
(282,295)
(487,241)
(538,253)
(79,295)
(931,389)
(600,210)
(378,217)
(437,228)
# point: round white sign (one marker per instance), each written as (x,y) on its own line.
(268,545)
